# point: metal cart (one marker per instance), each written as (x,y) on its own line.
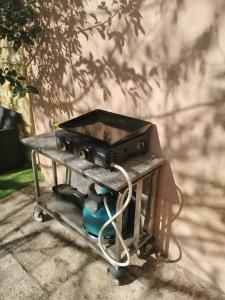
(140,168)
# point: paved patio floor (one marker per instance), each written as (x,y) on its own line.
(46,261)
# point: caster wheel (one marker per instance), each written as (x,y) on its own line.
(38,216)
(161,256)
(115,275)
(115,281)
(147,249)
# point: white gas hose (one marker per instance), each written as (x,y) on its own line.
(111,220)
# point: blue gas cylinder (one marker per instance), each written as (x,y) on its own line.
(95,214)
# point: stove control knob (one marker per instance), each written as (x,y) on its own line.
(140,145)
(65,146)
(84,153)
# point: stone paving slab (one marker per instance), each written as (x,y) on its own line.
(23,289)
(56,270)
(16,200)
(165,278)
(10,271)
(38,248)
(91,283)
(15,283)
(47,261)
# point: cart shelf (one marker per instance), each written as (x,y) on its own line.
(70,216)
(137,167)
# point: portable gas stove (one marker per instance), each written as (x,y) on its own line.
(118,214)
(103,138)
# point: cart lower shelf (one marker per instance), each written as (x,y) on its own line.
(69,215)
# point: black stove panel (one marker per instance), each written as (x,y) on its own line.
(100,139)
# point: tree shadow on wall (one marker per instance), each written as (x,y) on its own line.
(70,62)
(168,196)
(189,128)
(194,141)
(64,68)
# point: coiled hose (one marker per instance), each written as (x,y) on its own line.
(111,221)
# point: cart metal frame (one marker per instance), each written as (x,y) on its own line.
(142,234)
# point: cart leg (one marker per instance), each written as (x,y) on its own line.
(35,174)
(119,223)
(54,172)
(148,226)
(68,176)
(147,247)
(149,244)
(37,211)
(115,272)
(38,214)
(137,220)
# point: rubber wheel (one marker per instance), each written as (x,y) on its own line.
(38,216)
(115,275)
(147,249)
(114,280)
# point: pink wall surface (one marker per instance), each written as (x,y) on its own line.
(181,57)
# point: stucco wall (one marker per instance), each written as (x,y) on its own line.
(183,51)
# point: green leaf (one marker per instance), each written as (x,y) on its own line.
(32,89)
(27,39)
(34,31)
(22,93)
(15,92)
(16,45)
(18,84)
(10,79)
(2,79)
(13,72)
(21,78)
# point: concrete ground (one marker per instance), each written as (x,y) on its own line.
(46,261)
